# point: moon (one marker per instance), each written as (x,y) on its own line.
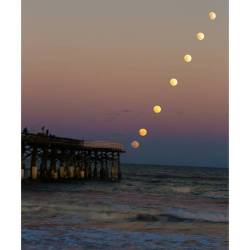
(187,58)
(143,132)
(157,109)
(212,15)
(173,82)
(135,144)
(200,36)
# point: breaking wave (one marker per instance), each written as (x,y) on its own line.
(182,215)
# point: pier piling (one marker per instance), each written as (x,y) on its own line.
(65,158)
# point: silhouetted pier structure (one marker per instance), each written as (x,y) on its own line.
(49,157)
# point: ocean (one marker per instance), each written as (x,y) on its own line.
(153,207)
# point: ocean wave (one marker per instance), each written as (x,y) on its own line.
(184,214)
(99,238)
(146,217)
(161,176)
(182,189)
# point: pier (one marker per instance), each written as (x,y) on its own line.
(48,157)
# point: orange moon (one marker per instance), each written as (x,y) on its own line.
(135,144)
(212,15)
(143,132)
(187,58)
(157,109)
(200,36)
(173,82)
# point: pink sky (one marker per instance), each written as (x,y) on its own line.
(94,69)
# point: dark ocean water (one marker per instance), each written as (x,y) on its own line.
(153,207)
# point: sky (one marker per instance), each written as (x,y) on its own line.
(94,69)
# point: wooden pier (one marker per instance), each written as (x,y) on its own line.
(48,157)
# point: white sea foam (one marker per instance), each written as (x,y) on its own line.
(209,216)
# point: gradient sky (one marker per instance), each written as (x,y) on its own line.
(93,69)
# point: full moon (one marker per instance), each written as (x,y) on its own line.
(135,144)
(173,82)
(187,58)
(212,15)
(143,132)
(200,36)
(157,109)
